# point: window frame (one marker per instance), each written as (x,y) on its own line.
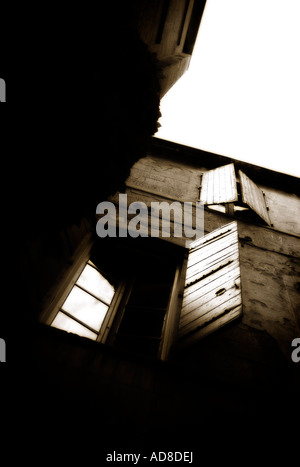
(113,318)
(172,314)
(83,290)
(59,294)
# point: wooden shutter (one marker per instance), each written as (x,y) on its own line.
(212,294)
(219,185)
(254,197)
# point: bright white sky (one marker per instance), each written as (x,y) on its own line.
(241,95)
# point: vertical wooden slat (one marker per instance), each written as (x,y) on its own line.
(253,197)
(219,185)
(233,188)
(210,188)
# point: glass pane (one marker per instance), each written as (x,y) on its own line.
(61,321)
(92,281)
(86,308)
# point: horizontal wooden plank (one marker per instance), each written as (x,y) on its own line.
(211,261)
(198,307)
(204,304)
(214,251)
(198,273)
(210,255)
(210,311)
(215,281)
(214,235)
(204,251)
(203,331)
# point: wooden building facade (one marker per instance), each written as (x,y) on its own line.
(199,332)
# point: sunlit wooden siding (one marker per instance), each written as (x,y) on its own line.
(219,185)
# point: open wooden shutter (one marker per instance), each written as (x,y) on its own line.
(212,294)
(219,185)
(254,197)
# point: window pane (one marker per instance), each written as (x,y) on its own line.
(92,281)
(86,308)
(61,321)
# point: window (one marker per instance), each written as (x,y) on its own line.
(223,191)
(164,295)
(139,325)
(87,304)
